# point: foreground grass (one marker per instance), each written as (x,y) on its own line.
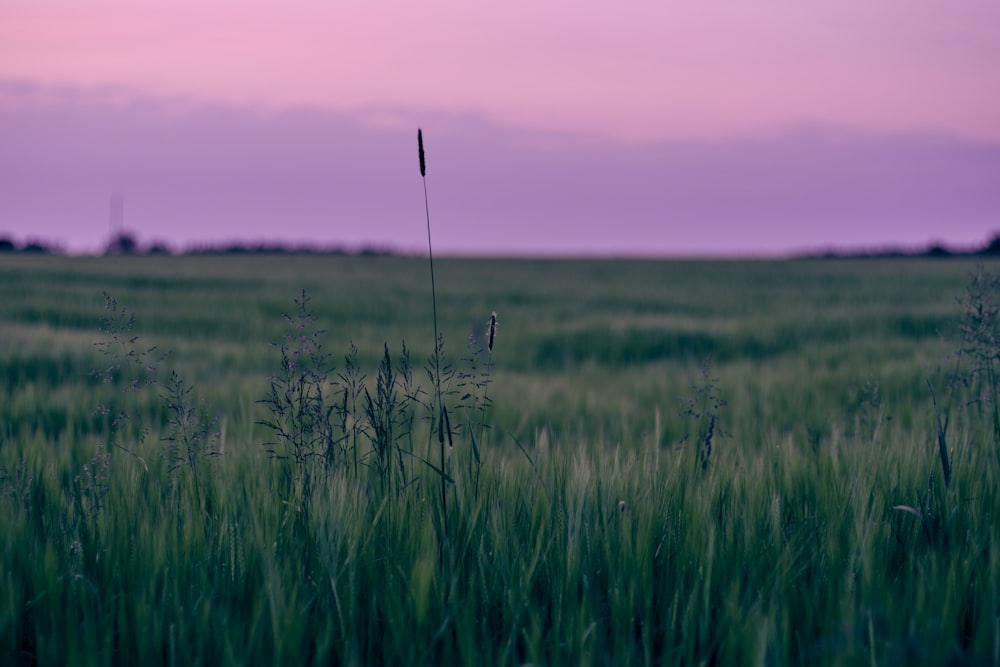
(604,540)
(773,558)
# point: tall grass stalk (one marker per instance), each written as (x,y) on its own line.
(941,431)
(440,411)
(480,379)
(491,339)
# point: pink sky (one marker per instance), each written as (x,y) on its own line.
(569,127)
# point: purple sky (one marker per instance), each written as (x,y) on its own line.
(551,128)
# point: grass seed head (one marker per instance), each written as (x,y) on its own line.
(420,151)
(493,331)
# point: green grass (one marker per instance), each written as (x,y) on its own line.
(785,549)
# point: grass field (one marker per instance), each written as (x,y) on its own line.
(683,462)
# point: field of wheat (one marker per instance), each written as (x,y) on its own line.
(244,460)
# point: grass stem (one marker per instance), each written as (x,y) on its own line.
(439,408)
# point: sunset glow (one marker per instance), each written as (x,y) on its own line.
(635,87)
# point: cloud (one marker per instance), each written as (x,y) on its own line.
(196,172)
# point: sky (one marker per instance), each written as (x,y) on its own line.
(644,128)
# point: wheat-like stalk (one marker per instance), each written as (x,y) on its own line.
(442,413)
(430,246)
(493,331)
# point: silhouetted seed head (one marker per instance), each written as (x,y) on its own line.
(420,151)
(493,330)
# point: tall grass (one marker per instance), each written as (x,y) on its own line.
(444,433)
(786,557)
(615,535)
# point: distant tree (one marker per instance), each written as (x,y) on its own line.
(122,243)
(160,248)
(937,250)
(7,245)
(36,247)
(993,247)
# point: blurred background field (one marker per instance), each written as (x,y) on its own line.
(598,530)
(584,347)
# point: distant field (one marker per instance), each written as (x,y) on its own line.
(777,545)
(581,343)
